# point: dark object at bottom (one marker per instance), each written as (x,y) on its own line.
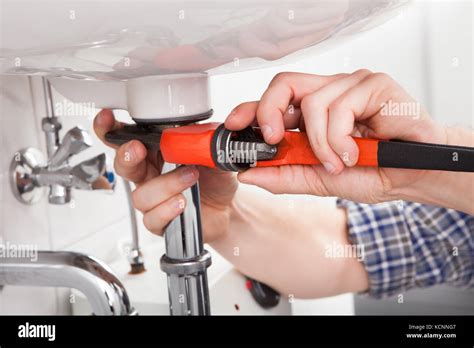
(263,294)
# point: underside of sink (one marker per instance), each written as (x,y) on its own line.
(117,40)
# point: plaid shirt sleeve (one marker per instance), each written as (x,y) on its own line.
(410,245)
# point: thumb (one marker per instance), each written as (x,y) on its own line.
(266,178)
(292,179)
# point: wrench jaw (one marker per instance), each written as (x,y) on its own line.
(208,144)
(149,135)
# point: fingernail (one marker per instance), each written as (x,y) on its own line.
(330,168)
(267,131)
(179,204)
(188,176)
(130,154)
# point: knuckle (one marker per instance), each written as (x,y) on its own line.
(362,72)
(280,77)
(382,78)
(238,107)
(309,102)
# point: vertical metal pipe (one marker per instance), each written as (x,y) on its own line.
(58,194)
(53,125)
(185,260)
(135,257)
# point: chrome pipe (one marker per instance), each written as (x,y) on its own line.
(135,257)
(186,261)
(93,278)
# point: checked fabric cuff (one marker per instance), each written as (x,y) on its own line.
(410,245)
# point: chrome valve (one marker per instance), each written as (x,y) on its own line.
(31,173)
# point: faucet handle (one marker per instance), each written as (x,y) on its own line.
(92,174)
(74,141)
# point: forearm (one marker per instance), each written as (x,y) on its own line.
(284,244)
(453,190)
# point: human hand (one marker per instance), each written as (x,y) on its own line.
(331,109)
(159,196)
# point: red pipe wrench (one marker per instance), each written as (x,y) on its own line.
(212,145)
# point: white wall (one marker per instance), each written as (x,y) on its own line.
(449,60)
(417,49)
(428,49)
(94,222)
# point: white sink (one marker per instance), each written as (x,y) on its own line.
(105,39)
(153,58)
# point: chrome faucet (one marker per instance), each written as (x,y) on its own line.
(94,279)
(31,173)
(88,175)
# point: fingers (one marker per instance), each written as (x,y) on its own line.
(130,161)
(272,107)
(362,100)
(105,122)
(156,219)
(242,116)
(315,108)
(285,90)
(330,106)
(161,200)
(292,117)
(159,189)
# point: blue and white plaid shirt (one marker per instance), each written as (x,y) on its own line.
(410,245)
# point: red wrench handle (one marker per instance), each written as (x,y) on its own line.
(296,149)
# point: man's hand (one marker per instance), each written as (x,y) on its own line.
(159,197)
(331,109)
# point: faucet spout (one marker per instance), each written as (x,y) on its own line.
(104,291)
